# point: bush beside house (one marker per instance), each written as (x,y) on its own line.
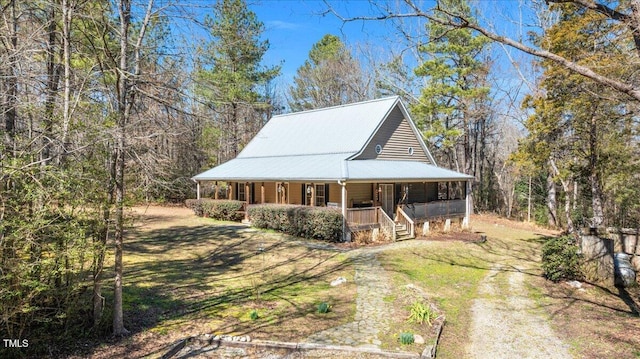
(224,210)
(300,221)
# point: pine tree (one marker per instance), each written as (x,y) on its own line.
(454,100)
(581,131)
(330,77)
(230,74)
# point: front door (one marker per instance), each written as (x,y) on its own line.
(386,198)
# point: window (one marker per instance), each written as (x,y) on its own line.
(410,151)
(242,196)
(320,195)
(378,149)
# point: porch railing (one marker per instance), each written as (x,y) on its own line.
(386,223)
(405,220)
(362,216)
(439,209)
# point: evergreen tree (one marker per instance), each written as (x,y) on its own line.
(581,132)
(230,75)
(454,107)
(330,77)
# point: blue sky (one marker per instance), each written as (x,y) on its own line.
(292,27)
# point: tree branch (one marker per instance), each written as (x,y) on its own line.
(632,20)
(457,21)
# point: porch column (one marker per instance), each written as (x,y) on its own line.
(345,237)
(230,192)
(247,195)
(262,192)
(198,189)
(313,195)
(374,194)
(215,190)
(467,207)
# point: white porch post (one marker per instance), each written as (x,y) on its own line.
(467,210)
(313,195)
(345,236)
(198,189)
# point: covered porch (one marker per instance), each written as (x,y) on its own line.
(394,207)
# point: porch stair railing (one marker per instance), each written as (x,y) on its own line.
(387,224)
(406,227)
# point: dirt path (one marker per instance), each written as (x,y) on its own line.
(507,323)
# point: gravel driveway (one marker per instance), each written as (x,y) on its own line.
(507,324)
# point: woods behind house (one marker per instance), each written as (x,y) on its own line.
(108,103)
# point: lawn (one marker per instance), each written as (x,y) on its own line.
(186,275)
(596,321)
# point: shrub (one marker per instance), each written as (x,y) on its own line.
(407,338)
(300,221)
(420,313)
(323,308)
(560,259)
(254,315)
(224,210)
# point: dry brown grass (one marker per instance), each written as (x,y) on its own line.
(187,276)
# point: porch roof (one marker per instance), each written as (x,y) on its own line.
(399,171)
(326,168)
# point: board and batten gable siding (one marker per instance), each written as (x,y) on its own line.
(395,136)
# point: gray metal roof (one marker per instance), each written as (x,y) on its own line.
(337,129)
(401,171)
(326,168)
(317,145)
(280,168)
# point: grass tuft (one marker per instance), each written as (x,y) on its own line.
(406,338)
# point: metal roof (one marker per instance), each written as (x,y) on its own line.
(280,168)
(317,146)
(401,171)
(326,168)
(337,129)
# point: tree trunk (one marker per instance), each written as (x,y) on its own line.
(123,88)
(234,129)
(10,101)
(594,177)
(551,201)
(53,79)
(66,50)
(126,98)
(567,197)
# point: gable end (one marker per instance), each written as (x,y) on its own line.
(395,140)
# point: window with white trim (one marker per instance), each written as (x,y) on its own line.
(320,195)
(242,195)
